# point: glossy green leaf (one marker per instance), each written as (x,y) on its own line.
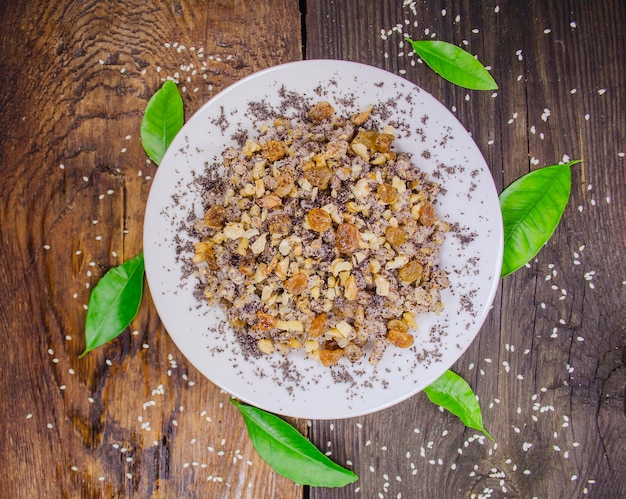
(532,207)
(113,303)
(289,453)
(453,393)
(454,64)
(162,121)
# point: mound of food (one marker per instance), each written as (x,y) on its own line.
(319,236)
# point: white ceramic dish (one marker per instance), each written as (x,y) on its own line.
(472,253)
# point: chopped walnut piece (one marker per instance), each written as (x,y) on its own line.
(350,288)
(330,357)
(353,353)
(367,138)
(270,201)
(360,118)
(384,141)
(284,185)
(265,345)
(215,217)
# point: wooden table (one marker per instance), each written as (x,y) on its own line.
(134,418)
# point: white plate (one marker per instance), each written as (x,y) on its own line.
(472,254)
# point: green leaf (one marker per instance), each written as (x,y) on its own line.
(162,121)
(532,207)
(453,393)
(289,453)
(454,64)
(113,303)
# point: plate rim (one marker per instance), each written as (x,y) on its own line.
(495,278)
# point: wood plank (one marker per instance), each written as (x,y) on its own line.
(553,404)
(132,418)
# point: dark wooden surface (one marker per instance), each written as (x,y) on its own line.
(135,419)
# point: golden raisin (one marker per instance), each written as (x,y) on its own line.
(319,220)
(273,150)
(319,176)
(320,112)
(395,236)
(279,223)
(347,237)
(384,141)
(317,325)
(297,283)
(387,194)
(411,272)
(215,217)
(398,325)
(265,321)
(427,214)
(400,339)
(330,357)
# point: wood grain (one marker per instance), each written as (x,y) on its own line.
(132,418)
(553,404)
